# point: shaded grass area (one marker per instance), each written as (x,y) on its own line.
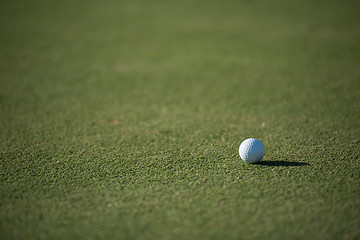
(283,163)
(123,120)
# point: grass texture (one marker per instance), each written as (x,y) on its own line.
(122,119)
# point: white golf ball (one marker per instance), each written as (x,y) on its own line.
(251,150)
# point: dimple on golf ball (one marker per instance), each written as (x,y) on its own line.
(251,150)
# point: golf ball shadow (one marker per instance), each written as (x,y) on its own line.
(282,163)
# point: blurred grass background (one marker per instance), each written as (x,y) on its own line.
(122,119)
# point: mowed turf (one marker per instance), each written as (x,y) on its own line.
(122,119)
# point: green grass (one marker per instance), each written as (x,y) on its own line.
(122,119)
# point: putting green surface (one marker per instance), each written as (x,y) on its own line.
(122,119)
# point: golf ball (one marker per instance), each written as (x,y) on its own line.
(251,150)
